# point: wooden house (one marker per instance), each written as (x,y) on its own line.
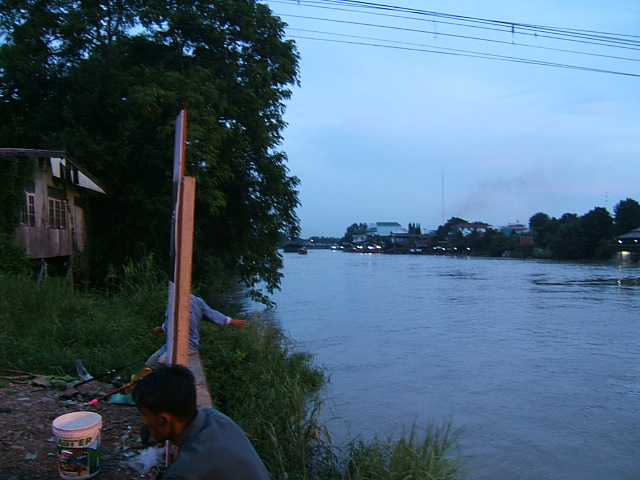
(53,219)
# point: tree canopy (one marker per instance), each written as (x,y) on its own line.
(627,216)
(105,80)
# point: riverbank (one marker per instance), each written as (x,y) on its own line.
(273,390)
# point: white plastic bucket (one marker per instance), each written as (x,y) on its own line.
(78,443)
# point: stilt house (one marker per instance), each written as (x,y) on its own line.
(53,219)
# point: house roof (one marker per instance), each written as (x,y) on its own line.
(59,161)
(635,233)
(470,225)
(386,224)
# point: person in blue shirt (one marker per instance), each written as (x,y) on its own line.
(211,446)
(199,311)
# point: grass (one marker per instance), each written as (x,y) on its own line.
(272,390)
(413,456)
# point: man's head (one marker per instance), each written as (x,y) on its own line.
(167,400)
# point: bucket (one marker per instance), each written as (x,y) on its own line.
(78,442)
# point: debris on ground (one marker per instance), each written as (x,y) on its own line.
(30,403)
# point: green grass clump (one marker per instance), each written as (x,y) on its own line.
(412,457)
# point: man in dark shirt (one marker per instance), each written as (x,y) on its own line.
(211,445)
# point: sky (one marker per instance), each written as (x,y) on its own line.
(396,119)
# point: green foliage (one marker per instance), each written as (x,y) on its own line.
(597,232)
(13,257)
(354,229)
(271,390)
(572,237)
(45,328)
(627,216)
(412,457)
(442,232)
(107,83)
(543,228)
(15,172)
(415,228)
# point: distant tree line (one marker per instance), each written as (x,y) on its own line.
(590,236)
(570,237)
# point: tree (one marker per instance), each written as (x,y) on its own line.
(442,231)
(597,228)
(568,240)
(627,216)
(106,80)
(354,229)
(499,243)
(543,228)
(415,229)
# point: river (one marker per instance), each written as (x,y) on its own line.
(538,361)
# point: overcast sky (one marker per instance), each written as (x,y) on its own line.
(398,132)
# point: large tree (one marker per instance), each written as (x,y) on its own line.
(568,240)
(597,228)
(627,216)
(105,79)
(543,228)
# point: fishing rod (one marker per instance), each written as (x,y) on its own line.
(113,392)
(83,373)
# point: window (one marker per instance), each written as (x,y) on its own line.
(57,213)
(28,214)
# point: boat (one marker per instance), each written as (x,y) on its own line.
(302,250)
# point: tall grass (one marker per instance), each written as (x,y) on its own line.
(44,328)
(272,390)
(413,456)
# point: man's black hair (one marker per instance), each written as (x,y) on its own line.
(167,389)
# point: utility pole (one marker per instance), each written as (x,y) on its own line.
(442,198)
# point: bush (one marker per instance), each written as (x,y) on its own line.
(13,257)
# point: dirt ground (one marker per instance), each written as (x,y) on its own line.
(27,444)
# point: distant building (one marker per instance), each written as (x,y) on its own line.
(514,229)
(469,228)
(385,229)
(359,238)
(627,245)
(630,238)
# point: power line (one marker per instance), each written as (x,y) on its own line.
(465,37)
(465,53)
(585,37)
(612,38)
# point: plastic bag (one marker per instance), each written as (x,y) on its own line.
(147,459)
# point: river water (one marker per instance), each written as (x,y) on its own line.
(538,361)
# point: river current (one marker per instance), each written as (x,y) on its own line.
(538,362)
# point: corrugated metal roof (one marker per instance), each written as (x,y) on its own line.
(58,158)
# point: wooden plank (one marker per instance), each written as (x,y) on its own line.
(184,261)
